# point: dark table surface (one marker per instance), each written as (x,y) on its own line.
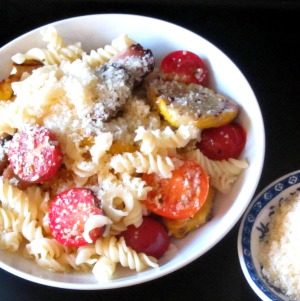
(261,38)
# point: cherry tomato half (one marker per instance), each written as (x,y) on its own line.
(35,154)
(150,238)
(184,66)
(180,196)
(68,214)
(227,141)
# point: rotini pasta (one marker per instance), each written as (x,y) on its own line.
(140,163)
(223,173)
(17,200)
(10,237)
(117,251)
(54,53)
(154,141)
(102,55)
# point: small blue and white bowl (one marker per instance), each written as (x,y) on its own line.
(253,229)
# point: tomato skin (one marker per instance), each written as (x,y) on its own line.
(224,142)
(184,66)
(34,154)
(180,196)
(68,213)
(150,238)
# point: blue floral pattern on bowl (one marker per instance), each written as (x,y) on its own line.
(255,226)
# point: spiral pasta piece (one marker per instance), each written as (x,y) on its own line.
(8,220)
(30,228)
(223,173)
(69,260)
(117,251)
(52,38)
(10,241)
(10,237)
(100,56)
(45,248)
(136,185)
(86,255)
(50,56)
(156,141)
(104,268)
(17,200)
(141,163)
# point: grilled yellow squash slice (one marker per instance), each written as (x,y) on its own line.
(184,104)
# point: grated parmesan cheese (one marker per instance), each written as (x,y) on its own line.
(280,251)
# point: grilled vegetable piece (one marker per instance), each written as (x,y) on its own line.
(6,91)
(182,104)
(138,62)
(28,66)
(181,227)
(119,147)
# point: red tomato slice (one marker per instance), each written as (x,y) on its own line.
(184,66)
(34,154)
(68,214)
(224,142)
(150,238)
(180,196)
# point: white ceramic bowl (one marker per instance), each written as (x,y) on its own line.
(162,37)
(253,229)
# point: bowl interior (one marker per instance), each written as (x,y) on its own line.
(161,37)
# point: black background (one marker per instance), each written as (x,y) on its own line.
(261,37)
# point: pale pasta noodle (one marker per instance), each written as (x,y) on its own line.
(52,264)
(17,200)
(117,202)
(100,56)
(86,255)
(136,185)
(102,143)
(117,251)
(121,201)
(10,241)
(8,220)
(51,37)
(69,259)
(45,247)
(30,228)
(223,173)
(141,163)
(50,56)
(6,124)
(156,141)
(10,237)
(55,51)
(94,222)
(104,268)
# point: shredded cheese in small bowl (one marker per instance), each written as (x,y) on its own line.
(269,240)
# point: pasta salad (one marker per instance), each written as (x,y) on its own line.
(105,157)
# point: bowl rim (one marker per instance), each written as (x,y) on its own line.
(257,205)
(229,225)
